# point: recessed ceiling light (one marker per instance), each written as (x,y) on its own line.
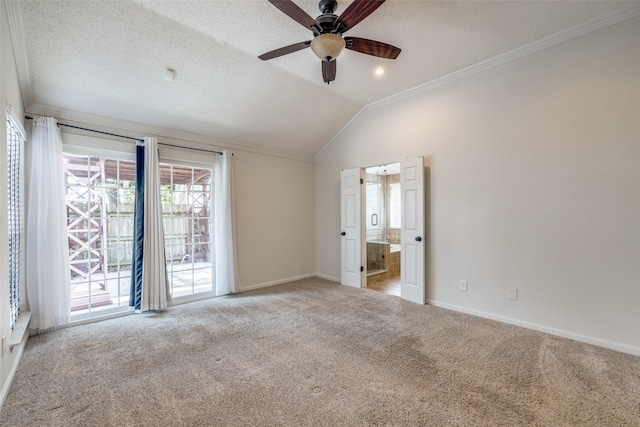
(379,71)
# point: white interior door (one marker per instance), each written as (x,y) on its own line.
(352,241)
(412,231)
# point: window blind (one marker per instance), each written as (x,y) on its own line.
(15,214)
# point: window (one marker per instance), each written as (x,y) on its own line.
(394,205)
(186,212)
(15,215)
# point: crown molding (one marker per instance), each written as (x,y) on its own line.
(15,16)
(606,20)
(137,130)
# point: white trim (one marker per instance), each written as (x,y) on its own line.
(608,19)
(15,15)
(186,156)
(342,130)
(15,120)
(12,372)
(330,278)
(169,136)
(88,318)
(187,299)
(611,18)
(276,282)
(97,316)
(540,328)
(19,330)
(82,145)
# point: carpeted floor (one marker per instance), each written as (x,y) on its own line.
(318,354)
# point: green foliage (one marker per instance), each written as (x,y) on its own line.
(166,194)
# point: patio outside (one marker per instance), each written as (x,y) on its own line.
(100,199)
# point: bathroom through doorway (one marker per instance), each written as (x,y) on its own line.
(383,226)
(360,227)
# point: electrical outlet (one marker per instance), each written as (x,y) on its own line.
(513,294)
(464,285)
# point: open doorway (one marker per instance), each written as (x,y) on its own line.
(356,223)
(383,228)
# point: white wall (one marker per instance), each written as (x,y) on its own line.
(534,184)
(9,94)
(275,215)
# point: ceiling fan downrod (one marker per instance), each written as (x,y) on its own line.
(327,6)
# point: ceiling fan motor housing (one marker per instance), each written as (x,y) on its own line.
(327,23)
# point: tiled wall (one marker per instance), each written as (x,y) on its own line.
(393,263)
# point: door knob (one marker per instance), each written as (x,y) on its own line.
(343,233)
(418,239)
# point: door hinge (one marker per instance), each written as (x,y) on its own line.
(361,181)
(361,268)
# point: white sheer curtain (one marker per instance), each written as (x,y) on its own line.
(226,266)
(47,257)
(155,284)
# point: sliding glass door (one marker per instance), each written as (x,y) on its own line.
(100,195)
(186,208)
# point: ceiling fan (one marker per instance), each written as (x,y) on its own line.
(328,42)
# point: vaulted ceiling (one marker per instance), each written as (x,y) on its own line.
(109,58)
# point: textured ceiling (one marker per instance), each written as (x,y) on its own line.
(109,58)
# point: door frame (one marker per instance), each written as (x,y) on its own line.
(425,240)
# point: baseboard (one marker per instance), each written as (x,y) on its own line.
(325,277)
(276,282)
(623,348)
(18,349)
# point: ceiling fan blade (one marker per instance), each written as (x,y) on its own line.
(356,12)
(372,47)
(329,71)
(285,50)
(294,12)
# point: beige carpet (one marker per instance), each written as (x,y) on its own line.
(318,354)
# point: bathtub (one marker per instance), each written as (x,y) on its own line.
(394,247)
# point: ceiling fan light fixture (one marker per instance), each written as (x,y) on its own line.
(328,46)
